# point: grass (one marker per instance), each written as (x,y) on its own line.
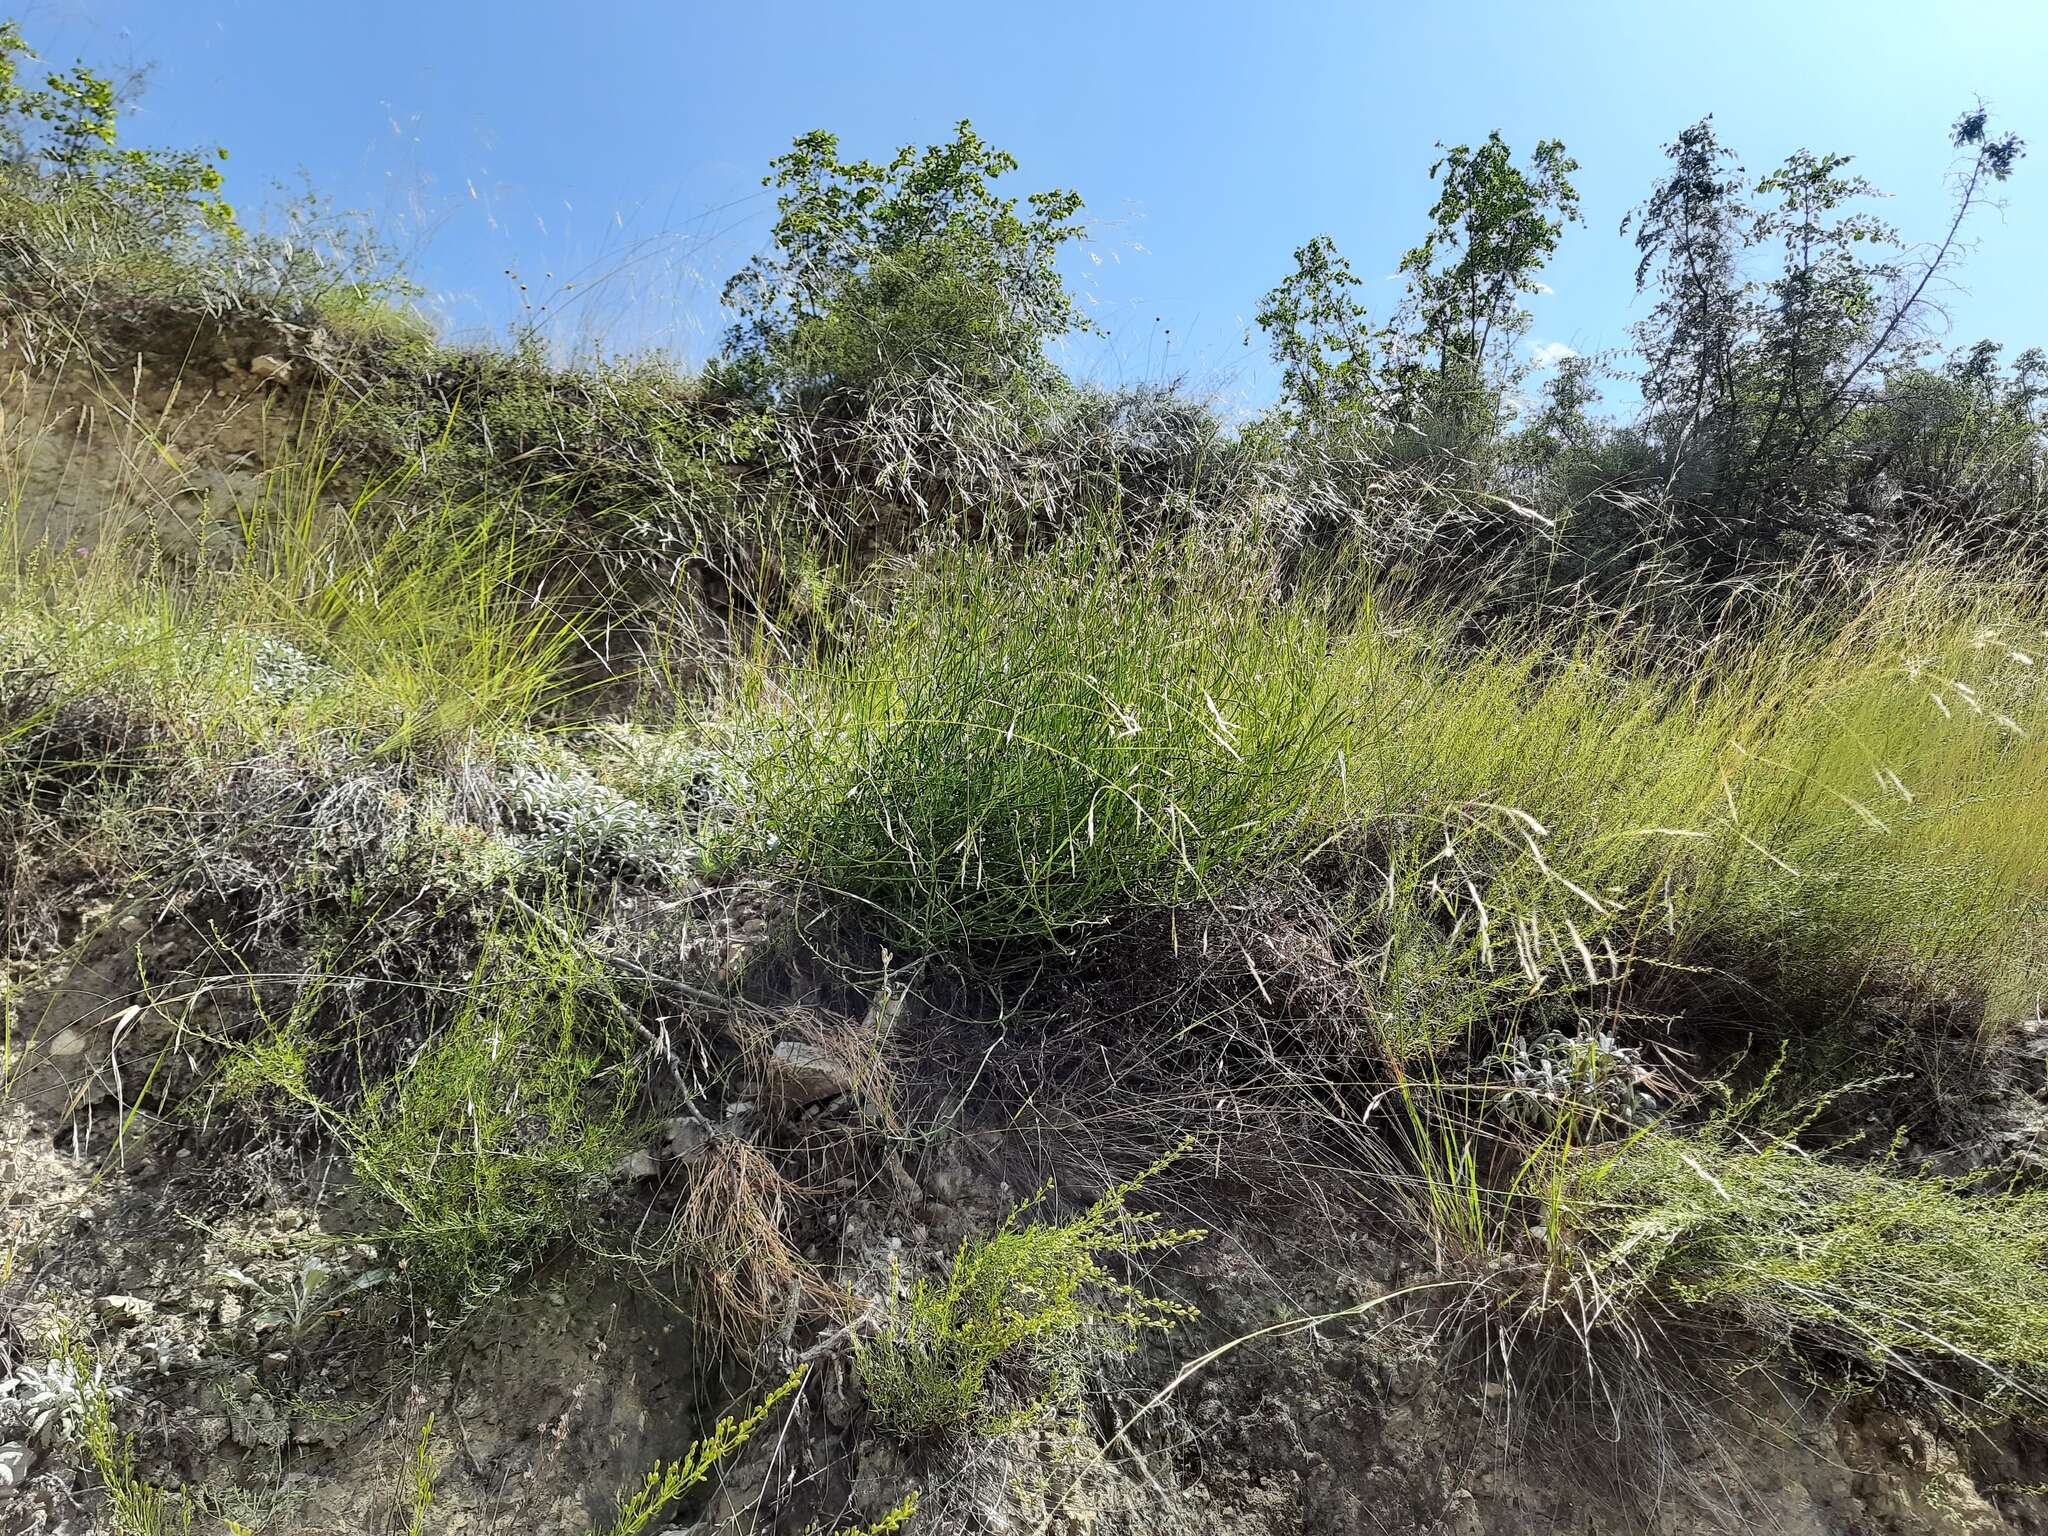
(1018,751)
(428,628)
(1907,1273)
(1022,750)
(993,756)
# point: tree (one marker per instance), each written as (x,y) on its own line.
(1494,226)
(1319,334)
(1954,449)
(905,269)
(1692,233)
(1832,294)
(66,131)
(1756,386)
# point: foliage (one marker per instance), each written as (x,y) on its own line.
(1025,748)
(909,268)
(1493,227)
(620,469)
(1759,386)
(437,618)
(491,1140)
(1012,1299)
(1030,748)
(67,129)
(668,1481)
(1319,334)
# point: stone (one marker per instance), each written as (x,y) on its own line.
(804,1074)
(16,1462)
(683,1135)
(68,1043)
(124,1311)
(271,370)
(638,1165)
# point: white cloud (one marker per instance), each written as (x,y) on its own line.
(1543,288)
(1548,354)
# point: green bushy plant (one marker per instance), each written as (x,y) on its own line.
(911,268)
(490,1142)
(1015,1298)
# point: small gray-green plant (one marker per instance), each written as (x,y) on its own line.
(58,1395)
(297,1307)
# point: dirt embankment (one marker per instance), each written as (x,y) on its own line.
(149,421)
(262,1340)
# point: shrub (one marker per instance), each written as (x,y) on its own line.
(491,1141)
(908,269)
(1015,1298)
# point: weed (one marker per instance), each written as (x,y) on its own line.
(1901,1272)
(417,1491)
(490,1142)
(139,1508)
(1013,1298)
(668,1481)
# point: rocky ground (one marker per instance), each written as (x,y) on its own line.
(261,1342)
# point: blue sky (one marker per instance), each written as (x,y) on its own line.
(620,143)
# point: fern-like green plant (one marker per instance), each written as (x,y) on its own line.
(668,1481)
(1012,1298)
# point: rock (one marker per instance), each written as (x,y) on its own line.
(68,1043)
(805,1074)
(16,1462)
(124,1311)
(684,1135)
(271,370)
(228,1311)
(637,1165)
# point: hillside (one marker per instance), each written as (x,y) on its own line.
(867,938)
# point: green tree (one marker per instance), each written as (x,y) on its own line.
(1761,388)
(911,268)
(1318,332)
(67,131)
(1691,235)
(1492,229)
